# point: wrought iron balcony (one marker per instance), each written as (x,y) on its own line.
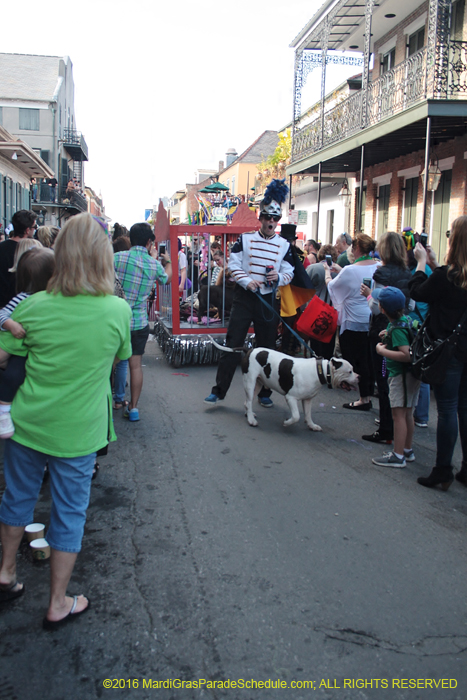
(410,82)
(75,144)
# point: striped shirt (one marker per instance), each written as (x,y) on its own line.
(7,310)
(137,272)
(252,253)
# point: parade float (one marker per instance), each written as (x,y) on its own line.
(182,334)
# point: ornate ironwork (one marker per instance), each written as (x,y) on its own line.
(457,69)
(438,71)
(398,88)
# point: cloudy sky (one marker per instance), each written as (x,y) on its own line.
(163,88)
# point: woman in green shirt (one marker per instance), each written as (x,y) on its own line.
(62,412)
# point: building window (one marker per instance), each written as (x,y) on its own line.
(233,185)
(457,20)
(383,208)
(357,199)
(330,226)
(45,155)
(416,41)
(410,202)
(29,119)
(227,184)
(389,61)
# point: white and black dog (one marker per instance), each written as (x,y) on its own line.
(297,379)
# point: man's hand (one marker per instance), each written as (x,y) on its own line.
(272,276)
(253,286)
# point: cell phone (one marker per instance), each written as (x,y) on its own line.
(424,239)
(367,282)
(329,260)
(162,249)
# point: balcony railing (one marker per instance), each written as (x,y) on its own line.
(75,144)
(399,88)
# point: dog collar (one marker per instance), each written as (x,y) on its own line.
(324,379)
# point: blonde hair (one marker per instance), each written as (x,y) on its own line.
(21,247)
(456,258)
(84,262)
(392,250)
(44,235)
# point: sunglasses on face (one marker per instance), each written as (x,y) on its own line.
(269,217)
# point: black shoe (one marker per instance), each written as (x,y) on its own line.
(462,475)
(358,407)
(378,437)
(440,476)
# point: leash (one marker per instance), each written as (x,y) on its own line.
(300,340)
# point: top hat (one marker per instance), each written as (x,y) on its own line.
(288,232)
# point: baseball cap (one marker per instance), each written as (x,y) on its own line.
(390,298)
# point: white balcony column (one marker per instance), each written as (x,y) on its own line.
(324,55)
(366,62)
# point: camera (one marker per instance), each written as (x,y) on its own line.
(424,239)
(367,282)
(329,260)
(162,249)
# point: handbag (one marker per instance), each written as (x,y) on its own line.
(431,356)
(318,321)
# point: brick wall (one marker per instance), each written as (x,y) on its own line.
(458,203)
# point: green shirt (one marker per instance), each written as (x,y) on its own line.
(64,406)
(397,337)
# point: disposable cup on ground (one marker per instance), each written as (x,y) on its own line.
(40,549)
(34,531)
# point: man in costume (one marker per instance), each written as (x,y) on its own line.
(250,256)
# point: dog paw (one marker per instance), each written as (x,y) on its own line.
(315,428)
(289,421)
(252,420)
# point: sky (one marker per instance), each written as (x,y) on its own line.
(165,88)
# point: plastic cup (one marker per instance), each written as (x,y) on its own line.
(34,531)
(40,549)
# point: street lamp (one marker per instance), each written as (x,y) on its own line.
(434,176)
(345,195)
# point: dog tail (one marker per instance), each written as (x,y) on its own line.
(223,347)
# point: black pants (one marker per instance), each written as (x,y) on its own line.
(355,348)
(247,309)
(386,426)
(12,377)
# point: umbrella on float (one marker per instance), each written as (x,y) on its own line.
(215,187)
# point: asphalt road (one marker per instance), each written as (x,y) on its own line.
(216,552)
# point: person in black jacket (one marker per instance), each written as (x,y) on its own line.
(446,293)
(392,273)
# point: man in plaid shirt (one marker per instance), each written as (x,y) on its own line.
(138,270)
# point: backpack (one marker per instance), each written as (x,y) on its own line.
(412,327)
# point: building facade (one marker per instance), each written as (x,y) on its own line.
(37,106)
(409,117)
(20,166)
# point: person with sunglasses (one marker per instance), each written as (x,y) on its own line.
(259,262)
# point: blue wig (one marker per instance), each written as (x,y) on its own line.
(276,191)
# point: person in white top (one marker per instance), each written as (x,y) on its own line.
(354,314)
(259,262)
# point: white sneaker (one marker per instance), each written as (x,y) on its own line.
(7,429)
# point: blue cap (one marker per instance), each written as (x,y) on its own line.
(390,298)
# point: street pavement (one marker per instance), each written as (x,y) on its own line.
(216,553)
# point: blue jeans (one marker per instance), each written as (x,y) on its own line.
(120,380)
(70,486)
(451,397)
(422,412)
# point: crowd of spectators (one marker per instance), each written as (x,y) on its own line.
(57,410)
